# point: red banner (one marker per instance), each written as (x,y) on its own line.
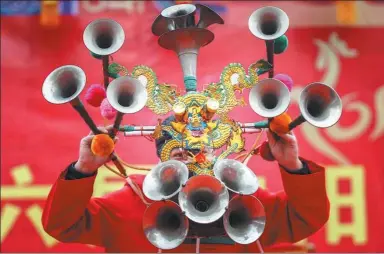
(39,139)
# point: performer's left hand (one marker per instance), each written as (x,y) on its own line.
(285,150)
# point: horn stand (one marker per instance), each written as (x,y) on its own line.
(64,85)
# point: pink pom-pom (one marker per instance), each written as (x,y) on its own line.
(107,111)
(95,95)
(287,80)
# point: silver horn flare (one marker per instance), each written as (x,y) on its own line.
(165,225)
(64,84)
(244,220)
(165,180)
(269,98)
(320,105)
(203,199)
(103,37)
(127,95)
(268,23)
(236,176)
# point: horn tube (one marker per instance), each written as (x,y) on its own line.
(165,180)
(236,176)
(269,98)
(268,24)
(320,105)
(244,220)
(208,17)
(165,225)
(64,85)
(203,199)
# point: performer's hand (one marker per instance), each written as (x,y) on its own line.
(285,150)
(88,163)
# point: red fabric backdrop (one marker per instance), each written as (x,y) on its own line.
(39,139)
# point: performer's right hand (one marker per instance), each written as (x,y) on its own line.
(88,163)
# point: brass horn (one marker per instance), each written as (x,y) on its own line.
(203,199)
(320,105)
(165,180)
(236,176)
(244,220)
(268,24)
(269,98)
(127,95)
(64,85)
(208,17)
(103,37)
(165,225)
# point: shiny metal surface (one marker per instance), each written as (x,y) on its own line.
(203,199)
(191,38)
(236,176)
(268,23)
(165,180)
(127,95)
(244,220)
(64,84)
(174,17)
(103,37)
(164,225)
(208,17)
(269,98)
(320,105)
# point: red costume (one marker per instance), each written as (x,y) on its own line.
(115,220)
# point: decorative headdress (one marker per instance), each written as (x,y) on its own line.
(193,127)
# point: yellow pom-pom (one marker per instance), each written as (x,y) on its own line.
(280,124)
(102,145)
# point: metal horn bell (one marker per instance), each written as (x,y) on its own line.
(244,220)
(320,105)
(268,23)
(127,95)
(203,199)
(208,17)
(103,37)
(165,225)
(269,98)
(64,84)
(236,176)
(165,180)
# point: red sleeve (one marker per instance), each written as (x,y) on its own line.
(71,215)
(298,211)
